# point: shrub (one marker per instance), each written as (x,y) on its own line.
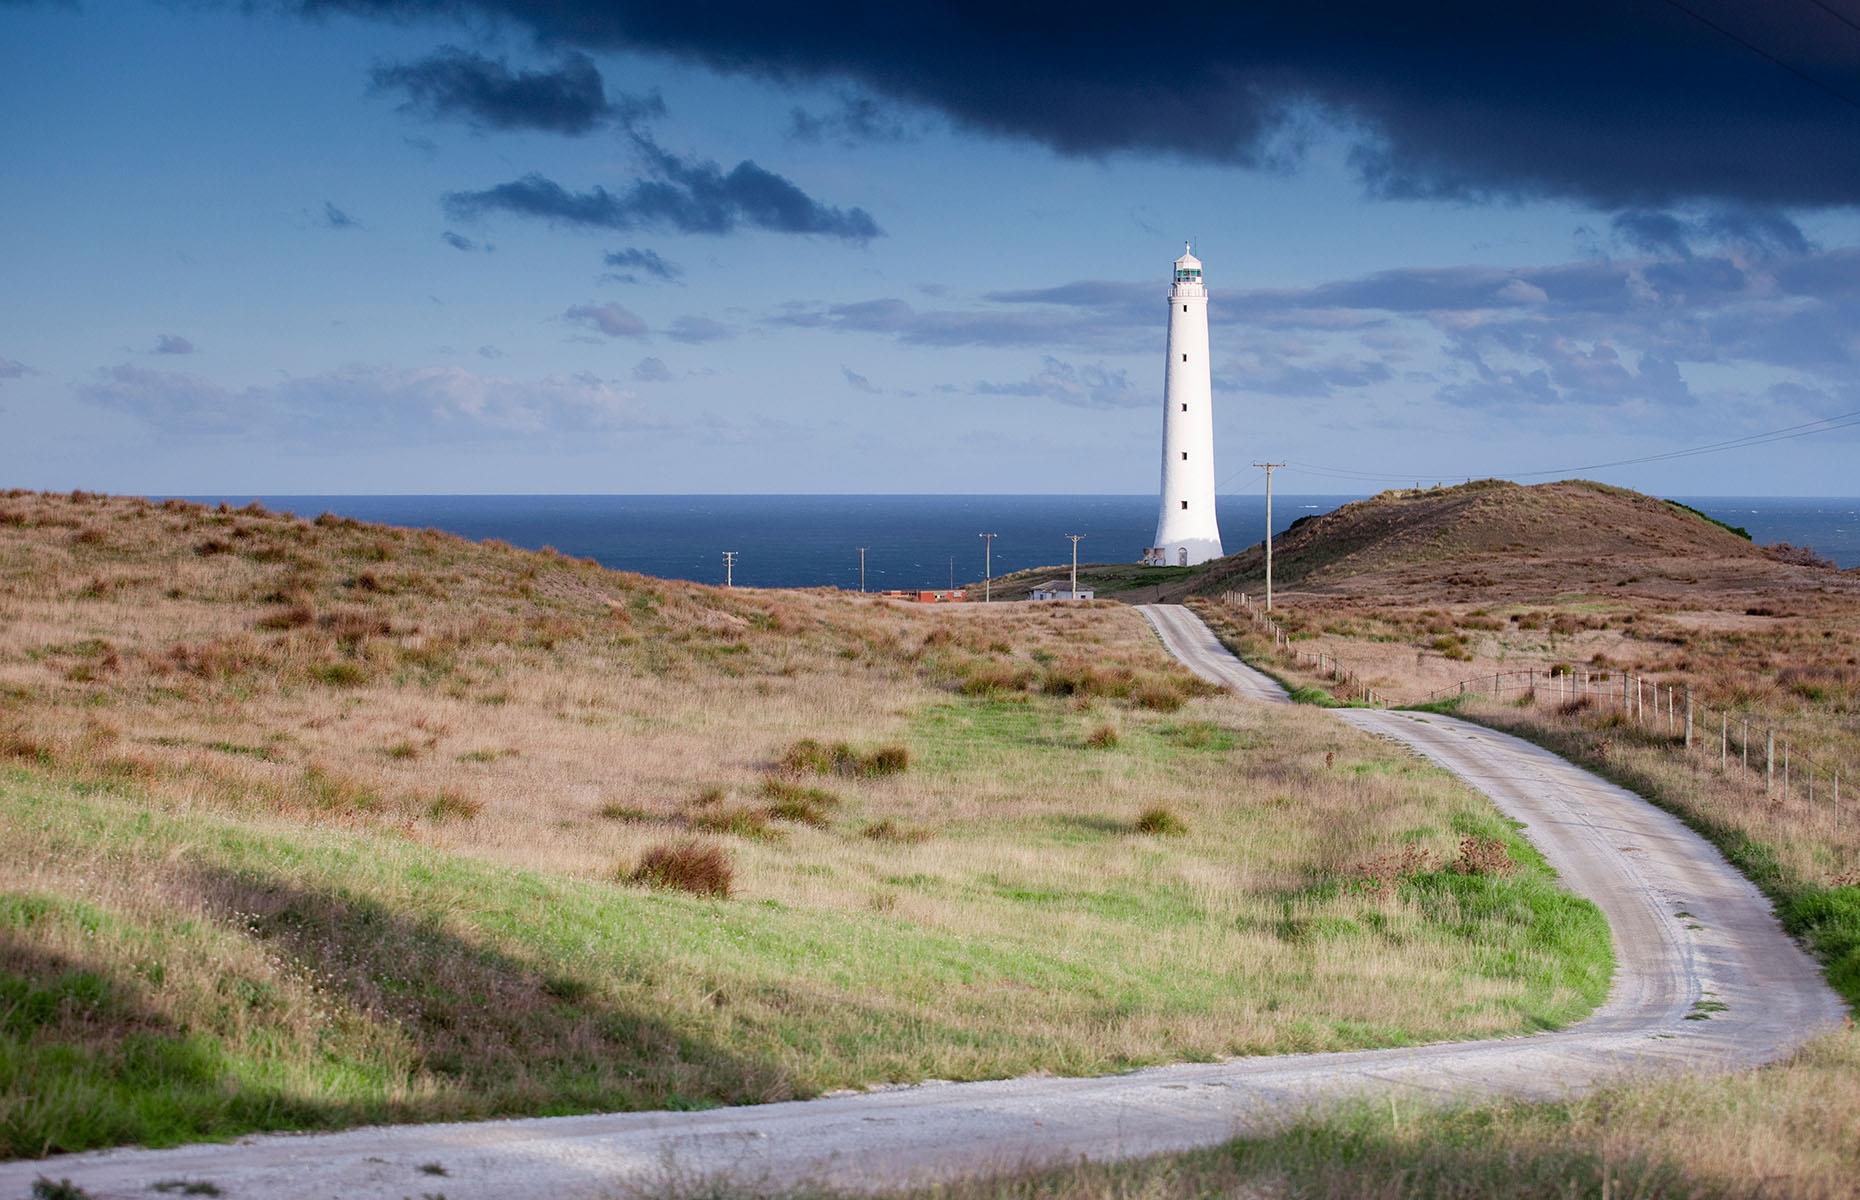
(686,867)
(1382,872)
(1102,738)
(1482,856)
(212,546)
(1800,556)
(1157,819)
(613,810)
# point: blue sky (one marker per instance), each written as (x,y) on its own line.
(242,254)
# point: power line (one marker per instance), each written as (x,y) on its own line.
(1788,433)
(1836,13)
(1760,52)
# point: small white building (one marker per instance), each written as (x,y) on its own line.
(1058,589)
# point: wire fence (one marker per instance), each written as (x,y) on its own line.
(1751,750)
(1765,758)
(1349,684)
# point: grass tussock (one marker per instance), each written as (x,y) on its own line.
(840,758)
(889,830)
(793,802)
(694,867)
(1157,819)
(1102,738)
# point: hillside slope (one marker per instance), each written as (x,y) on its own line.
(1495,536)
(316,823)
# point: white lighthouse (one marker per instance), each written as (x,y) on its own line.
(1186,529)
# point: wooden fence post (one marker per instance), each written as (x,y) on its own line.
(1769,761)
(1688,718)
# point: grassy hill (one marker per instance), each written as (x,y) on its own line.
(311,823)
(1494,535)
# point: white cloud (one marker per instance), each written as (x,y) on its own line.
(373,403)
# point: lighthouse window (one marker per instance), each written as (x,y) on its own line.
(1185,308)
(1185,408)
(1184,456)
(1185,358)
(1184,504)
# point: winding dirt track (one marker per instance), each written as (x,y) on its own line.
(1641,866)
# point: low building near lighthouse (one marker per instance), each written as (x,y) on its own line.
(1187,530)
(1059,589)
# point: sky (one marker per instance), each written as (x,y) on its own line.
(375,246)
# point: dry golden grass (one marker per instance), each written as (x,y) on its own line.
(415,755)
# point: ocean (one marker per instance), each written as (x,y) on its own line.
(913,541)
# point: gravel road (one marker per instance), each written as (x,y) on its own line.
(1641,866)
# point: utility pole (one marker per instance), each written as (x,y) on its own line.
(1268,467)
(988,565)
(952,572)
(1076,539)
(862,570)
(729,562)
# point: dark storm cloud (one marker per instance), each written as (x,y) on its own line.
(456,84)
(687,195)
(854,121)
(1654,232)
(1752,230)
(1623,105)
(647,262)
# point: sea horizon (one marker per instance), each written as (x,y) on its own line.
(912,540)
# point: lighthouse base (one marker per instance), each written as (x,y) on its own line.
(1188,552)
